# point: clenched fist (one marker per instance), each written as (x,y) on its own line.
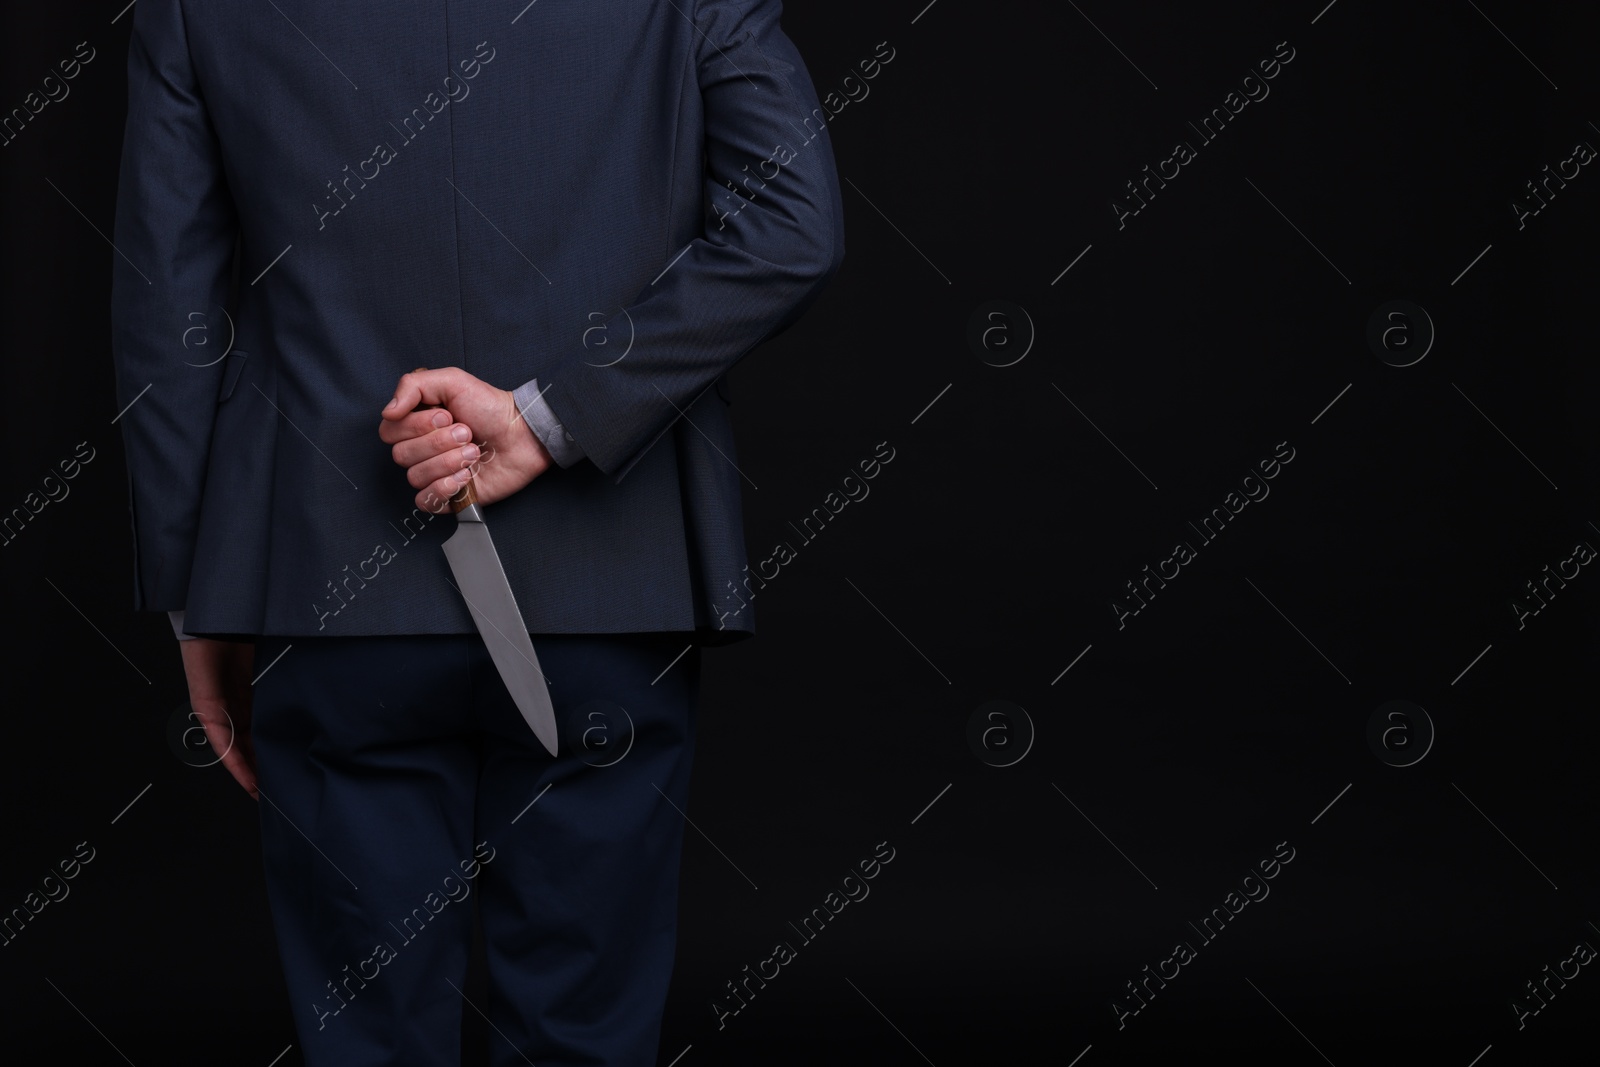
(473,433)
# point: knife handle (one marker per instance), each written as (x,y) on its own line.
(466,497)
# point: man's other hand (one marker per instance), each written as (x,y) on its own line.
(477,433)
(219,693)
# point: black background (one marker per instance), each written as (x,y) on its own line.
(1227,717)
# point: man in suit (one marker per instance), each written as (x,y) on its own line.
(578,217)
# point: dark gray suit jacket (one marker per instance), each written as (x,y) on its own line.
(618,200)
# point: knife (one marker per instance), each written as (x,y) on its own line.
(483,585)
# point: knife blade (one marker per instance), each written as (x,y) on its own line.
(482,583)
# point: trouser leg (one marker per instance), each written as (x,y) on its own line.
(579,904)
(368,762)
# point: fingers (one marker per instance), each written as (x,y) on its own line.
(438,470)
(451,437)
(453,474)
(438,461)
(439,448)
(413,424)
(229,735)
(428,500)
(435,496)
(240,758)
(242,767)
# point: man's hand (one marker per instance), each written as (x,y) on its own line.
(476,434)
(219,693)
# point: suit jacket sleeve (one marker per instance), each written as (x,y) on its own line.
(174,238)
(773,236)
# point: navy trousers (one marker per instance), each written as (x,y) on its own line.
(400,788)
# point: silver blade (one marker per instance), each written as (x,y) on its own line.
(488,594)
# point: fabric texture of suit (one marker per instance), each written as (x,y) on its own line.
(339,193)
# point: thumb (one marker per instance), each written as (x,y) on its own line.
(423,387)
